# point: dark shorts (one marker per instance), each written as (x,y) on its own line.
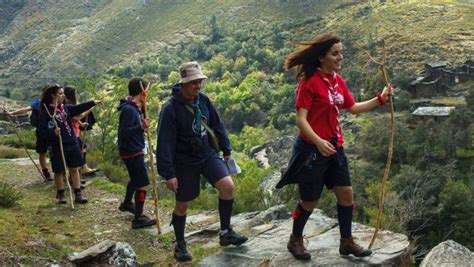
(41,145)
(318,171)
(137,171)
(72,154)
(189,177)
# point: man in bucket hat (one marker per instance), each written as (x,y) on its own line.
(190,136)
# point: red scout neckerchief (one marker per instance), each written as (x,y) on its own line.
(332,92)
(60,110)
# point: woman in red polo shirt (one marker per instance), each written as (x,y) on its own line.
(318,156)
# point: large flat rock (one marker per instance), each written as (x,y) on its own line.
(269,234)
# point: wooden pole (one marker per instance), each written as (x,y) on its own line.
(389,154)
(152,164)
(66,171)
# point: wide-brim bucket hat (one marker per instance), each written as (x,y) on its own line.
(190,71)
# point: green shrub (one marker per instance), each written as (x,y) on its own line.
(11,152)
(28,137)
(9,196)
(114,172)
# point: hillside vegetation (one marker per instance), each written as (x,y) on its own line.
(97,47)
(51,41)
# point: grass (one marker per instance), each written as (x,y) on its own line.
(8,152)
(446,101)
(38,227)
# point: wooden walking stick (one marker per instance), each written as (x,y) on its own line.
(24,146)
(390,147)
(152,162)
(66,171)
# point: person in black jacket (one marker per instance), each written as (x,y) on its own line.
(188,127)
(131,142)
(53,110)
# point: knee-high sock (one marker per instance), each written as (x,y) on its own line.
(300,217)
(129,193)
(344,217)
(140,196)
(178,223)
(225,212)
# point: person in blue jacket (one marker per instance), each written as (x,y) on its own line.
(131,142)
(41,144)
(53,112)
(190,134)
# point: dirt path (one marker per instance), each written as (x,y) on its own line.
(40,229)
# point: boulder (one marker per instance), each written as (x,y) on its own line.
(107,252)
(448,253)
(269,231)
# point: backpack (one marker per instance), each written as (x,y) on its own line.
(34,117)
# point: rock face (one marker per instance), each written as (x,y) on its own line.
(449,253)
(268,233)
(107,252)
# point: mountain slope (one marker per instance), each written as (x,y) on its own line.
(49,41)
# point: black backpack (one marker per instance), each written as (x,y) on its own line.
(34,117)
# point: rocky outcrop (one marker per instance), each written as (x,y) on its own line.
(269,231)
(448,253)
(107,252)
(273,154)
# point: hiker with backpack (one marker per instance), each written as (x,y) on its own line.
(131,142)
(53,112)
(41,146)
(318,157)
(190,136)
(80,124)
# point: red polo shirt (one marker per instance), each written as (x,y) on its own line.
(313,94)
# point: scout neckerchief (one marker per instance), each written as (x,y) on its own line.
(62,114)
(332,93)
(197,114)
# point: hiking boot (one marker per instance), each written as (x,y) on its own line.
(142,221)
(349,246)
(47,175)
(87,171)
(61,198)
(296,247)
(181,252)
(80,198)
(127,207)
(231,238)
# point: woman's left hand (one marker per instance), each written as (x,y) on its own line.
(387,91)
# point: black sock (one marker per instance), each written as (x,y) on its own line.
(140,196)
(84,157)
(178,223)
(77,191)
(300,217)
(129,194)
(225,211)
(60,192)
(46,173)
(344,217)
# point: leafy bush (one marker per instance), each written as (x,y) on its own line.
(9,196)
(7,152)
(28,137)
(114,172)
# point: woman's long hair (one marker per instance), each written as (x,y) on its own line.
(47,96)
(306,59)
(70,94)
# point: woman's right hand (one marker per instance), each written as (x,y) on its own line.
(172,184)
(326,148)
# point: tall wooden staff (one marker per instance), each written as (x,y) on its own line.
(24,146)
(152,161)
(66,171)
(390,147)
